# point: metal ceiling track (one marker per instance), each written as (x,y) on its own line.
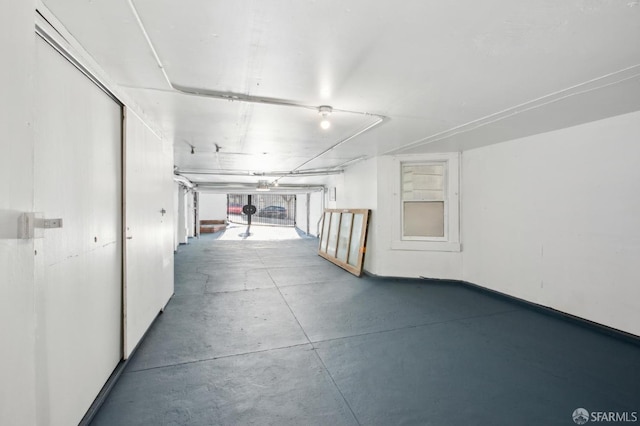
(47,32)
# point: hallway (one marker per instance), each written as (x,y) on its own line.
(268,333)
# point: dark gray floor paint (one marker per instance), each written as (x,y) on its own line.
(268,333)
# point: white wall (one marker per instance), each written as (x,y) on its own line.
(358,189)
(301,212)
(316,207)
(337,182)
(309,211)
(150,232)
(554,219)
(191,217)
(176,215)
(185,215)
(17,292)
(213,206)
(183,220)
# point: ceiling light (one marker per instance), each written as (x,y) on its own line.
(324,112)
(263,185)
(193,151)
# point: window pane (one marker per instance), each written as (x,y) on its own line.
(356,235)
(427,169)
(423,195)
(417,181)
(423,219)
(333,233)
(422,182)
(325,232)
(345,235)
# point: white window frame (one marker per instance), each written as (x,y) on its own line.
(451,240)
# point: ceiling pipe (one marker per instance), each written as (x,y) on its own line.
(322,172)
(183,180)
(230,96)
(351,162)
(249,185)
(343,141)
(240,187)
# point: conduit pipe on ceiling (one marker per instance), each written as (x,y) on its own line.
(259,174)
(343,141)
(230,96)
(253,185)
(183,180)
(228,187)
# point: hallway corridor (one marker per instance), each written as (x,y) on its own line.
(268,333)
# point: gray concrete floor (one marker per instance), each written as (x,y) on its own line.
(264,332)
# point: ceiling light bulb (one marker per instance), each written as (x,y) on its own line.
(325,111)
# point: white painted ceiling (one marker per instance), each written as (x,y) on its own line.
(445,76)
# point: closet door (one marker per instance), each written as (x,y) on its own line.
(78,178)
(149,227)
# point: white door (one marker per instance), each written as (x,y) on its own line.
(149,226)
(79,266)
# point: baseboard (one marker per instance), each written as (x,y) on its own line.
(601,328)
(546,310)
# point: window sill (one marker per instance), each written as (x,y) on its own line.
(447,246)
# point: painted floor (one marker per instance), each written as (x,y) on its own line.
(265,332)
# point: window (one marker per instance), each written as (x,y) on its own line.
(426,212)
(423,200)
(344,236)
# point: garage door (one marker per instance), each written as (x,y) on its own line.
(270,209)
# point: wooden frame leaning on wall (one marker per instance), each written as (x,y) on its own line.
(343,238)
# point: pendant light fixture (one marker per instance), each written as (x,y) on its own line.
(325,111)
